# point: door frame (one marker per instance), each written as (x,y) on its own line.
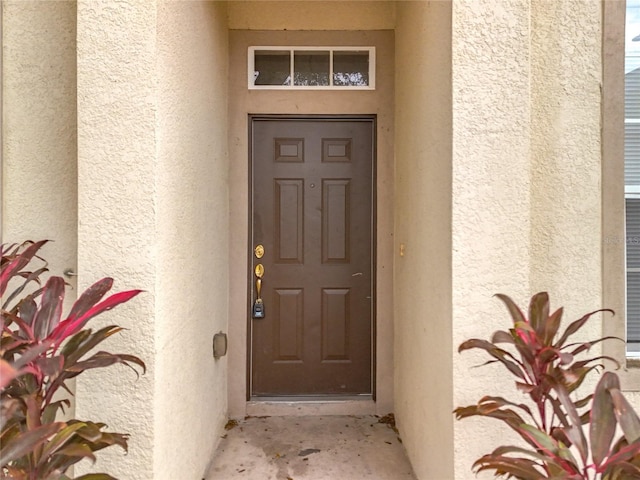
(369,118)
(241,103)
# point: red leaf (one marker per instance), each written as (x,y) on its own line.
(625,414)
(602,426)
(514,310)
(625,453)
(539,313)
(26,442)
(577,325)
(574,431)
(18,264)
(90,297)
(71,326)
(506,358)
(48,316)
(7,373)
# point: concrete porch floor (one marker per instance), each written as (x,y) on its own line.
(311,448)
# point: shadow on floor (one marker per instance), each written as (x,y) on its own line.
(311,448)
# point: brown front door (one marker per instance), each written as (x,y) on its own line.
(311,182)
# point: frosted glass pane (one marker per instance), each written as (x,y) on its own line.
(311,68)
(351,68)
(272,67)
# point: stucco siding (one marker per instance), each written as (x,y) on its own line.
(190,395)
(526,179)
(491,203)
(566,157)
(39,128)
(304,15)
(422,275)
(117,210)
(153,209)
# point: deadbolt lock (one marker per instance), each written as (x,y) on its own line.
(258,251)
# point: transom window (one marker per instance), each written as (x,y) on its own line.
(316,68)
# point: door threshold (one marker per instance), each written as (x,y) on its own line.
(311,406)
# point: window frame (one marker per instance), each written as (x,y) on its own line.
(293,49)
(614,276)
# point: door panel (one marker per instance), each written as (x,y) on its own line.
(312,212)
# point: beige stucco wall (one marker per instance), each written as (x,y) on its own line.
(566,154)
(39,128)
(153,213)
(491,204)
(422,278)
(305,15)
(526,187)
(497,165)
(192,224)
(117,205)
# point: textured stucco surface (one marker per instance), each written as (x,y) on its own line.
(498,170)
(117,208)
(305,15)
(526,168)
(565,194)
(153,209)
(39,128)
(490,196)
(422,276)
(566,215)
(192,224)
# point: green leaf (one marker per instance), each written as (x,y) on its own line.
(96,476)
(572,466)
(540,439)
(92,432)
(26,442)
(50,366)
(625,414)
(507,359)
(104,359)
(502,402)
(76,348)
(624,454)
(552,325)
(50,411)
(8,410)
(90,297)
(521,468)
(577,325)
(502,337)
(602,427)
(76,450)
(72,345)
(32,277)
(516,314)
(7,373)
(585,346)
(59,440)
(510,417)
(13,267)
(573,431)
(539,313)
(50,310)
(626,471)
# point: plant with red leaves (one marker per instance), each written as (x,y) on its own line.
(546,369)
(39,353)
